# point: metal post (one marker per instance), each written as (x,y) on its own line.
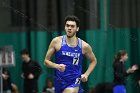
(106,15)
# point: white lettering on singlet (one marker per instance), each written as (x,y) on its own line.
(71,54)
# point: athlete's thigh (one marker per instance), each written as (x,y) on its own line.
(71,90)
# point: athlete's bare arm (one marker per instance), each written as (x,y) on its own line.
(53,47)
(87,51)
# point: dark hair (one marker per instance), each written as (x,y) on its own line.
(25,51)
(119,55)
(73,18)
(49,79)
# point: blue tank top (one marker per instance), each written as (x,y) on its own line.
(72,58)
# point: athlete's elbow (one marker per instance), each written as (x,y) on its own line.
(94,61)
(46,63)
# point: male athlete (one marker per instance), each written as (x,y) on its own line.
(69,51)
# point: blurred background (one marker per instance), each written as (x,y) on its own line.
(107,25)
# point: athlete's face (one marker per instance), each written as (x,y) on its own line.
(71,28)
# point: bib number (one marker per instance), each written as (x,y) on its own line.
(75,61)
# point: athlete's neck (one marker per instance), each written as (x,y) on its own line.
(72,41)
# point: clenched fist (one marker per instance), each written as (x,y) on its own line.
(61,67)
(84,77)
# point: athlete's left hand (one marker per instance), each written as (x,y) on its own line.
(84,77)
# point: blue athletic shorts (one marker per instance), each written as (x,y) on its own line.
(60,85)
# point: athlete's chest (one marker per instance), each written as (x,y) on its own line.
(70,52)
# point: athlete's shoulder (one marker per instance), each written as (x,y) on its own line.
(86,47)
(57,39)
(85,44)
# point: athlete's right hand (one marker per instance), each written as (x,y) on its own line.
(61,67)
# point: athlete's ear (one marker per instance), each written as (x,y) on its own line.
(77,29)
